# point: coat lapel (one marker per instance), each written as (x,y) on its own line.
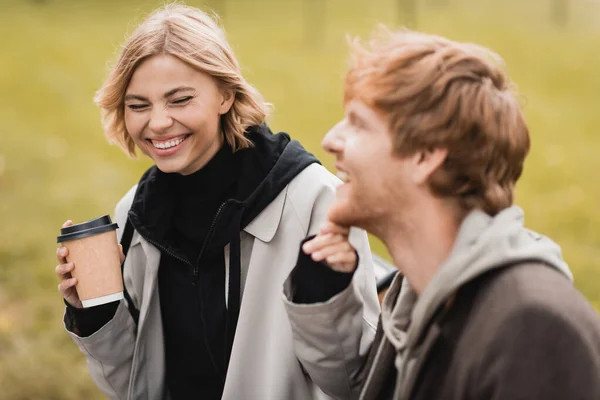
(264,226)
(150,279)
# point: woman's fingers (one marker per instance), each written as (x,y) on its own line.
(121,255)
(330,227)
(321,241)
(65,285)
(64,269)
(61,254)
(331,246)
(328,251)
(342,262)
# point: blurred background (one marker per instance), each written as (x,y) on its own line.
(55,163)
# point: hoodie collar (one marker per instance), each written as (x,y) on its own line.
(265,171)
(483,243)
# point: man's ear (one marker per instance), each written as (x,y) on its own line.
(426,162)
(227,98)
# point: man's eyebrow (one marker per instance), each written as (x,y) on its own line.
(168,94)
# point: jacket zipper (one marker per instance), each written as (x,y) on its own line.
(195,268)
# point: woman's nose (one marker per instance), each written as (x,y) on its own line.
(160,120)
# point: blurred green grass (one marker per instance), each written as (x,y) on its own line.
(55,163)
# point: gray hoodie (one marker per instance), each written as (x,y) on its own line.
(484,243)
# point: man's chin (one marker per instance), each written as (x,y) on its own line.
(344,216)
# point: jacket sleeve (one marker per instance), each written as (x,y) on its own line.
(109,353)
(332,338)
(86,321)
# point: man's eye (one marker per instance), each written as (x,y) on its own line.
(182,100)
(137,107)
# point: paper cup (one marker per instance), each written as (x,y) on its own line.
(95,253)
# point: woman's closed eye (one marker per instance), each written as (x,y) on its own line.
(182,100)
(137,106)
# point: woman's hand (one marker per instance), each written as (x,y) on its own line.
(63,270)
(331,245)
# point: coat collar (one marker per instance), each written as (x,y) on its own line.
(264,226)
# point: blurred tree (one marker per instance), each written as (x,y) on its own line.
(560,12)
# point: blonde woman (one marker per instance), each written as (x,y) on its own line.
(212,232)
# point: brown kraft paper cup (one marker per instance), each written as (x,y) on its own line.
(95,253)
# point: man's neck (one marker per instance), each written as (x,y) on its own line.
(420,246)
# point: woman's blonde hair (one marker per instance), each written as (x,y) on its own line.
(195,38)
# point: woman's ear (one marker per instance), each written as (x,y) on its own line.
(227,98)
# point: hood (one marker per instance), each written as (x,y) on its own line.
(483,243)
(267,168)
(264,171)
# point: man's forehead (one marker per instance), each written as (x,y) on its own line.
(361,111)
(359,108)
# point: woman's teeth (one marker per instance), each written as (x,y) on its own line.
(168,144)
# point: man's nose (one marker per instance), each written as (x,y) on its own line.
(333,141)
(160,120)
